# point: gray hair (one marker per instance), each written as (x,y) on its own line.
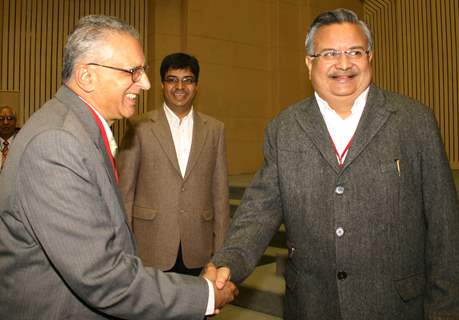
(332,17)
(88,34)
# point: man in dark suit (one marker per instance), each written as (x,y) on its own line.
(8,131)
(173,176)
(360,179)
(66,251)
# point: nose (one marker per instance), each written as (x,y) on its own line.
(144,82)
(343,62)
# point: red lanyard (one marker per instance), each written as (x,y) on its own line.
(341,156)
(104,137)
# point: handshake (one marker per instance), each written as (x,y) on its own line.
(225,290)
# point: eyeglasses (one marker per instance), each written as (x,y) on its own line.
(332,54)
(9,118)
(184,80)
(136,72)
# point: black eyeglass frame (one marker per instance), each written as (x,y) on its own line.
(132,71)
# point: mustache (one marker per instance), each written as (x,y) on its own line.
(350,73)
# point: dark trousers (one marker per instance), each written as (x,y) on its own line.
(180,267)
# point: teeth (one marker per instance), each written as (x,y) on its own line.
(131,96)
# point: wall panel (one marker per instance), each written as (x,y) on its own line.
(32,38)
(416,54)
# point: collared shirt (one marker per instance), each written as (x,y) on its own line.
(182,134)
(108,131)
(342,130)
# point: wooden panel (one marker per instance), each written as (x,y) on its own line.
(416,54)
(32,39)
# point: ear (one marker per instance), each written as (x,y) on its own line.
(370,56)
(308,61)
(85,77)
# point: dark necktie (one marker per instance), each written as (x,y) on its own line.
(4,151)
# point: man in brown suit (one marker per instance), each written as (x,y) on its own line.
(173,176)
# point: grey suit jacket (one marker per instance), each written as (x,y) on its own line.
(397,257)
(166,209)
(66,251)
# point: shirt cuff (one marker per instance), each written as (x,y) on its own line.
(211,301)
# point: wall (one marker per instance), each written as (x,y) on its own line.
(32,36)
(252,58)
(416,54)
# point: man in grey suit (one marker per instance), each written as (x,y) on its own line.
(66,251)
(360,179)
(179,225)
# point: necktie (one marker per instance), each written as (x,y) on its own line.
(4,152)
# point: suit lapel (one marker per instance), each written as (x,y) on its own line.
(79,108)
(199,137)
(160,128)
(374,116)
(311,121)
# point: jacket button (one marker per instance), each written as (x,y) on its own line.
(341,275)
(339,232)
(339,190)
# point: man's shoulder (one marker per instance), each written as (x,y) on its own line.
(397,102)
(209,119)
(290,113)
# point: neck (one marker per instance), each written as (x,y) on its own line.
(87,98)
(6,137)
(181,112)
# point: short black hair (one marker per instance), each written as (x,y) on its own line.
(179,60)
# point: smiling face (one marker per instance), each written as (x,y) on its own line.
(7,122)
(178,90)
(340,80)
(115,94)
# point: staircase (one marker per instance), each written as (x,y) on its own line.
(264,289)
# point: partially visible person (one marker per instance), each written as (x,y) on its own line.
(174,177)
(8,131)
(360,179)
(66,251)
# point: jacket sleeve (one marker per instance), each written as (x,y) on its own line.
(442,216)
(257,218)
(74,215)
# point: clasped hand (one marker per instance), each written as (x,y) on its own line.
(225,290)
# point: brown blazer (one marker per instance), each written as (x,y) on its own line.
(165,208)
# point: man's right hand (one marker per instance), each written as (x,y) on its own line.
(225,295)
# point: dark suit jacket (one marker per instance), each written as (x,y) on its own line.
(66,251)
(398,257)
(166,209)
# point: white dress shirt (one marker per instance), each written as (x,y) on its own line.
(342,130)
(182,134)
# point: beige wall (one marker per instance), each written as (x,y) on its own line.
(416,54)
(251,54)
(32,38)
